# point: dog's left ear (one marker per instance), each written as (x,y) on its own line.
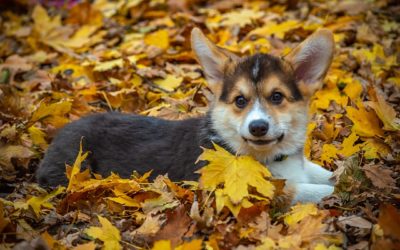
(213,59)
(311,60)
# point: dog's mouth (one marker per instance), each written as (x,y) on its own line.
(264,142)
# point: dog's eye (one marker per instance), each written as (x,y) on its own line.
(276,98)
(240,101)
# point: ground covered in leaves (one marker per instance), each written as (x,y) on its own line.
(64,59)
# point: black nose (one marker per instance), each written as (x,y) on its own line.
(258,128)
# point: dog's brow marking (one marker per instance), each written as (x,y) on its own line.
(256,69)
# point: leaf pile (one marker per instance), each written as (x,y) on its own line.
(65,59)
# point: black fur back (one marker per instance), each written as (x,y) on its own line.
(123,143)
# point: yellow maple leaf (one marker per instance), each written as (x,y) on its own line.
(36,203)
(162,245)
(42,22)
(366,123)
(169,83)
(348,148)
(299,212)
(107,65)
(192,245)
(123,199)
(107,233)
(321,246)
(52,113)
(385,112)
(51,242)
(222,200)
(241,17)
(83,183)
(277,29)
(159,38)
(87,246)
(76,168)
(329,152)
(353,88)
(81,37)
(376,58)
(307,145)
(373,148)
(348,145)
(77,70)
(166,245)
(37,136)
(266,244)
(237,173)
(323,98)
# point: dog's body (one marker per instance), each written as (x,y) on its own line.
(260,109)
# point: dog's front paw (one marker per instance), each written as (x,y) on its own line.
(305,192)
(318,174)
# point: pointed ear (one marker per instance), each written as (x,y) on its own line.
(311,60)
(213,59)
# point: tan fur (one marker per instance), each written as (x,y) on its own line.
(273,83)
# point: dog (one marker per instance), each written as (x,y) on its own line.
(259,108)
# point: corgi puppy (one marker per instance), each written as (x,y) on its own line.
(259,108)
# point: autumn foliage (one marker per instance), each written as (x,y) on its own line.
(60,60)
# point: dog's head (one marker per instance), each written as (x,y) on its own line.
(261,102)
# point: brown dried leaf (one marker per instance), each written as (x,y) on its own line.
(380,176)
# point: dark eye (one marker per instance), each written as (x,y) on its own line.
(240,101)
(276,98)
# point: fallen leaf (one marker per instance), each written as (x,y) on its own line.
(81,37)
(147,231)
(43,23)
(76,168)
(355,221)
(123,199)
(36,203)
(241,18)
(51,242)
(107,233)
(385,112)
(52,113)
(38,136)
(108,65)
(299,212)
(3,221)
(366,123)
(159,38)
(276,29)
(237,173)
(192,245)
(87,246)
(175,227)
(162,245)
(169,83)
(9,152)
(380,176)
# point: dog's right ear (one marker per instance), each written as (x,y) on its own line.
(214,60)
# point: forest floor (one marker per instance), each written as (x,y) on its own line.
(64,59)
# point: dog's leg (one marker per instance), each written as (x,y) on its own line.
(317,174)
(305,192)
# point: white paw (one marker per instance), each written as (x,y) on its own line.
(305,192)
(318,174)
